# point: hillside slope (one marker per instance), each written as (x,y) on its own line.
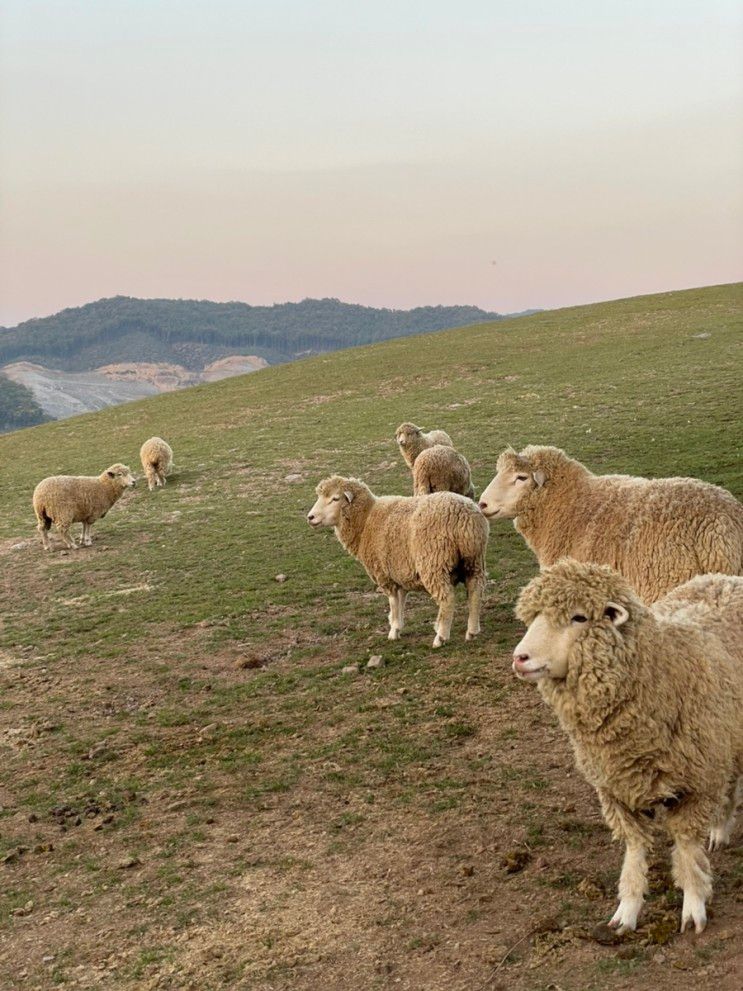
(193,795)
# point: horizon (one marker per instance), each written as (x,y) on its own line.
(506,156)
(345,302)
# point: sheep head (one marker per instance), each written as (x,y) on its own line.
(335,495)
(120,475)
(510,492)
(572,610)
(407,433)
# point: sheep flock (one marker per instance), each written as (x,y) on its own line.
(634,622)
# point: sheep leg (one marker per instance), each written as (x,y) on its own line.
(687,825)
(151,477)
(86,540)
(719,834)
(46,543)
(633,880)
(633,886)
(445,602)
(691,873)
(474,601)
(394,616)
(401,596)
(64,532)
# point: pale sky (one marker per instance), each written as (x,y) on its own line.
(384,152)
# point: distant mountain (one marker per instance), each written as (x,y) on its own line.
(193,333)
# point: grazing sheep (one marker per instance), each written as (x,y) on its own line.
(658,533)
(412,440)
(651,698)
(442,469)
(157,460)
(407,543)
(67,499)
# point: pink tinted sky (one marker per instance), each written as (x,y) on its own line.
(507,153)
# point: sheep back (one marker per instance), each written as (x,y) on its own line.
(658,533)
(423,542)
(156,453)
(442,469)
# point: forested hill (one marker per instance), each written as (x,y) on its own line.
(195,332)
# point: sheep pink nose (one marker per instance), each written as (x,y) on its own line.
(482,505)
(520,658)
(310,517)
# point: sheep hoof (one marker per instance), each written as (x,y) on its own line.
(393,635)
(718,838)
(625,917)
(471,634)
(438,640)
(693,910)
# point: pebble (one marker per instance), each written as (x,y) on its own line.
(280,579)
(375,661)
(128,862)
(350,669)
(294,477)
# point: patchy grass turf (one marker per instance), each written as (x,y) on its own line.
(193,796)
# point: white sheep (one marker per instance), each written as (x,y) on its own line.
(67,499)
(412,440)
(407,543)
(157,459)
(652,701)
(657,532)
(442,469)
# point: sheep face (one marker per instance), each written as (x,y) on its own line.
(548,646)
(406,433)
(121,475)
(508,493)
(333,495)
(544,651)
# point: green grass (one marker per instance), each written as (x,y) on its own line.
(134,644)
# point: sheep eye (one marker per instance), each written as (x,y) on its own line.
(578,618)
(335,499)
(521,478)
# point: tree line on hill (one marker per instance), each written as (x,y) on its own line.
(195,332)
(18,408)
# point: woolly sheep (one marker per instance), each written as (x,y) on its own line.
(157,459)
(651,699)
(67,499)
(407,543)
(442,469)
(412,440)
(658,533)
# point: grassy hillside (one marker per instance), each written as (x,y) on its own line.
(193,795)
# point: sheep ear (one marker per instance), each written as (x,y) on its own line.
(539,477)
(110,474)
(348,495)
(616,613)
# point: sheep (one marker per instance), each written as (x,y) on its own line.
(435,465)
(658,533)
(67,499)
(407,543)
(157,459)
(442,469)
(412,440)
(651,699)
